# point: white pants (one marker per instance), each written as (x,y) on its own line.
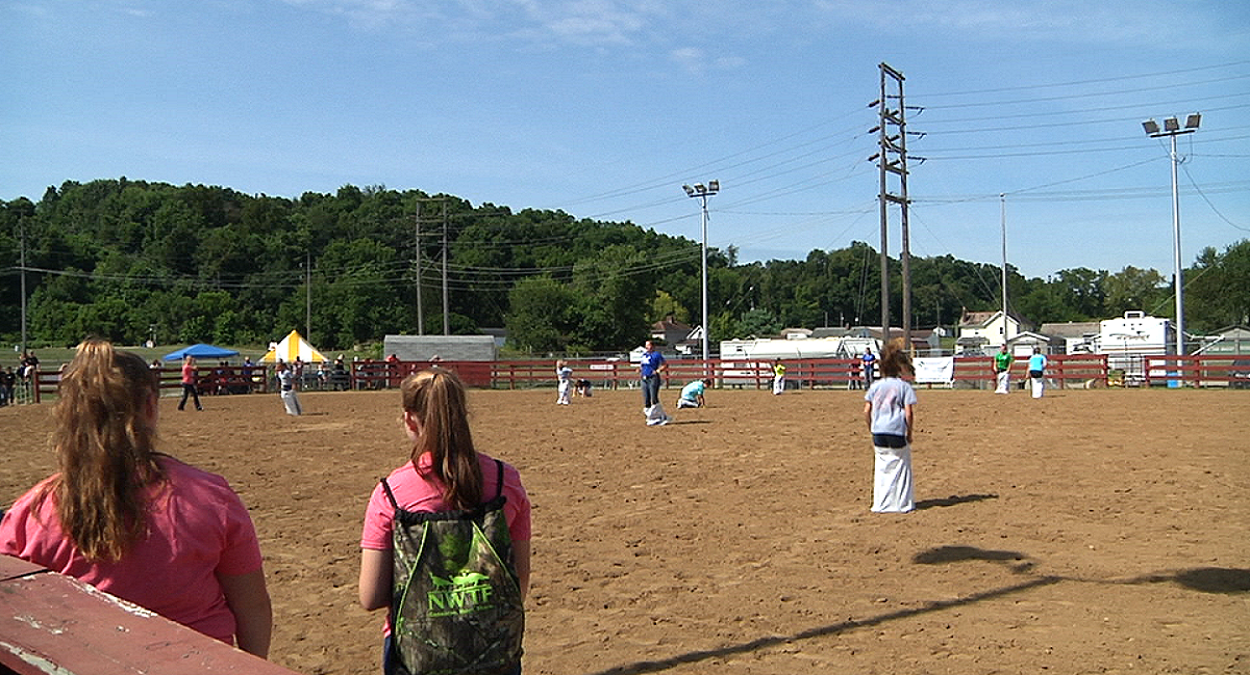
(779,384)
(1004,382)
(891,482)
(562,396)
(291,401)
(687,403)
(1039,386)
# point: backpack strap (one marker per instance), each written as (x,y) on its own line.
(390,495)
(499,486)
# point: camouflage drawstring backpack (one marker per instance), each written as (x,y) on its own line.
(456,601)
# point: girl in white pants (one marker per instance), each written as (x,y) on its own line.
(888,410)
(286,383)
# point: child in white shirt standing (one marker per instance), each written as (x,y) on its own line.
(564,380)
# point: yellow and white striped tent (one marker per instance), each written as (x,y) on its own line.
(293,346)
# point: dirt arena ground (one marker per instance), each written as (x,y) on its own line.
(1088,532)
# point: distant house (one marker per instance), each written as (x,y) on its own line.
(1227,341)
(1024,344)
(1078,336)
(982,332)
(669,330)
(680,337)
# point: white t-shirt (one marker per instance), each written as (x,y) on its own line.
(888,397)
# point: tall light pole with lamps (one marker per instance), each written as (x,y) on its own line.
(1172,129)
(702,192)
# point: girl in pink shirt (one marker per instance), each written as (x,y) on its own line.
(134,522)
(444,472)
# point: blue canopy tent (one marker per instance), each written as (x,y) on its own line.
(201,351)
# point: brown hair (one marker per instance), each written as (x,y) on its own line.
(104,439)
(894,359)
(436,398)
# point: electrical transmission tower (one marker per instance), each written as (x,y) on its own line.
(891,158)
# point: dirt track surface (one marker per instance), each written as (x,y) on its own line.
(1087,532)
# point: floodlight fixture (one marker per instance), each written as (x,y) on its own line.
(702,192)
(1172,129)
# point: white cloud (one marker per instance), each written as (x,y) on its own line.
(1079,21)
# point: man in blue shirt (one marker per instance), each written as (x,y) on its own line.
(650,367)
(868,364)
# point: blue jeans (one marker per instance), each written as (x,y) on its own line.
(650,390)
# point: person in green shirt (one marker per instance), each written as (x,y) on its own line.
(1002,370)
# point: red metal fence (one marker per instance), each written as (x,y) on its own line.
(1218,370)
(1063,371)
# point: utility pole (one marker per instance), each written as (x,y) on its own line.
(1171,129)
(417,247)
(891,158)
(446,311)
(446,304)
(1002,199)
(22,223)
(308,295)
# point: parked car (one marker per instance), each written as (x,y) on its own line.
(1240,372)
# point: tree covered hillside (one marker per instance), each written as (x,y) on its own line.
(129,260)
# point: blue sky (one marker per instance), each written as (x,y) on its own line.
(604,108)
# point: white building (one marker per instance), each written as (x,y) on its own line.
(986,332)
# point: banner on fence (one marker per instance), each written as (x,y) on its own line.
(935,370)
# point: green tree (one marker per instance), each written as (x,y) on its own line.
(542,317)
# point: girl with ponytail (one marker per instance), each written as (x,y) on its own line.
(132,521)
(444,472)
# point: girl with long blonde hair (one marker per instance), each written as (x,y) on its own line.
(132,521)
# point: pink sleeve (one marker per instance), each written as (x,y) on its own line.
(517,509)
(379,514)
(12,538)
(242,552)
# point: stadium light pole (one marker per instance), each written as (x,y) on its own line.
(702,192)
(1172,129)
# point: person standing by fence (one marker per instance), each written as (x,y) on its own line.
(779,377)
(868,366)
(189,387)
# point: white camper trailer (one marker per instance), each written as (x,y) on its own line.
(1129,339)
(756,354)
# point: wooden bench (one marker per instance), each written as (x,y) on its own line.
(51,623)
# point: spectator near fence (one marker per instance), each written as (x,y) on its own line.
(8,379)
(868,365)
